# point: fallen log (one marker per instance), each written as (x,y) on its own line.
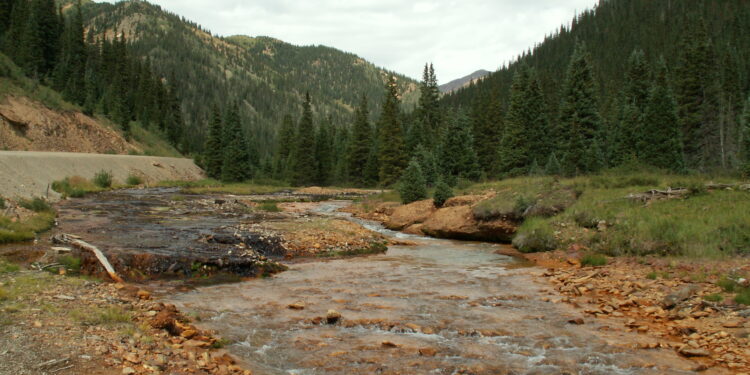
(75,241)
(659,194)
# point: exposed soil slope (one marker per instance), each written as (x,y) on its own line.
(26,125)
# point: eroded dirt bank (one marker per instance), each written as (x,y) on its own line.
(29,174)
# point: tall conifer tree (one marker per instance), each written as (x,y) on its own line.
(661,145)
(392,151)
(235,164)
(514,151)
(361,143)
(214,146)
(304,153)
(579,118)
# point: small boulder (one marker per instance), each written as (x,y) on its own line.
(688,351)
(671,300)
(296,306)
(143,294)
(333,317)
(427,352)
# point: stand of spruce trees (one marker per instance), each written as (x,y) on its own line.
(100,75)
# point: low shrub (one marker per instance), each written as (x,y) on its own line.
(6,267)
(71,263)
(35,204)
(103,179)
(535,235)
(743,297)
(726,284)
(594,260)
(133,180)
(443,192)
(2,203)
(101,316)
(269,207)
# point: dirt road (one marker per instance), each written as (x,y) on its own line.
(27,174)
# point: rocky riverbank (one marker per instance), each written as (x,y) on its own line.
(676,304)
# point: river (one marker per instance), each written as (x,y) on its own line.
(440,307)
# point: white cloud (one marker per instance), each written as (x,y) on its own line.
(459,37)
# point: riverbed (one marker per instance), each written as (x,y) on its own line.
(440,307)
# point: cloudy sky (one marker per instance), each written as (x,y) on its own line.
(458,36)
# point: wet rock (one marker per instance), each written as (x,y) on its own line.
(459,223)
(333,317)
(671,300)
(576,321)
(143,294)
(297,306)
(410,214)
(427,352)
(389,344)
(688,351)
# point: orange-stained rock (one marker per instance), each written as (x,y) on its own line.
(410,214)
(459,223)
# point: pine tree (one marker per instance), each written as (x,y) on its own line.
(392,152)
(745,139)
(695,98)
(628,132)
(214,158)
(324,154)
(428,109)
(540,145)
(6,9)
(235,164)
(284,149)
(457,155)
(579,118)
(70,72)
(305,163)
(553,167)
(514,151)
(428,163)
(412,185)
(443,192)
(361,143)
(663,147)
(13,41)
(42,38)
(487,119)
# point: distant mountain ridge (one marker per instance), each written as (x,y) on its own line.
(266,76)
(464,81)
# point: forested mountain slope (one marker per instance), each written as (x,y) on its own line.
(268,77)
(706,48)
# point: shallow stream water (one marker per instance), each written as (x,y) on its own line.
(477,311)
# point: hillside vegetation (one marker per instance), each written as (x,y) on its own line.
(266,77)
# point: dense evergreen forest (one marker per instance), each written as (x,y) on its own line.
(656,83)
(662,82)
(264,78)
(102,76)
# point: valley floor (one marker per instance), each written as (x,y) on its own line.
(628,314)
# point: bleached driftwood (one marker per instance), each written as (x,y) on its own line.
(75,241)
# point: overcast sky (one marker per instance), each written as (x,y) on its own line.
(458,36)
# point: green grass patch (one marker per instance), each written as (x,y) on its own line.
(7,267)
(726,284)
(75,187)
(2,203)
(211,186)
(269,207)
(70,263)
(594,260)
(35,204)
(716,297)
(133,180)
(103,179)
(97,316)
(152,141)
(11,231)
(743,296)
(535,235)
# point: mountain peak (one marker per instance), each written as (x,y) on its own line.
(464,81)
